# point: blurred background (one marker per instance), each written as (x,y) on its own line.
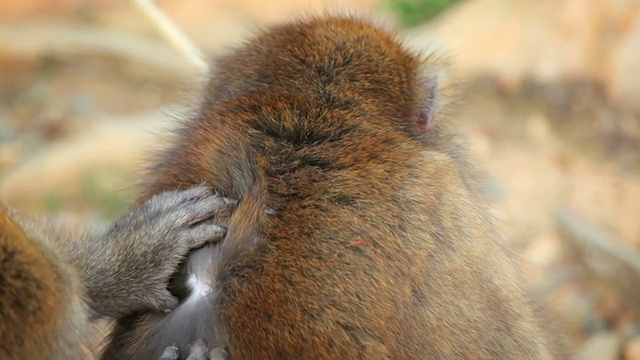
(550,104)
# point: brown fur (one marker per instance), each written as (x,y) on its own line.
(361,231)
(41,315)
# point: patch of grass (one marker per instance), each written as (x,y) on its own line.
(414,12)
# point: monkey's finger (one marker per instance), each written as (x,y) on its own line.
(219,353)
(170,353)
(170,199)
(193,213)
(198,351)
(164,303)
(203,234)
(163,202)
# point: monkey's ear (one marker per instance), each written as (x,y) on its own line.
(435,91)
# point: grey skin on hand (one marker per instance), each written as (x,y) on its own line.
(145,246)
(197,351)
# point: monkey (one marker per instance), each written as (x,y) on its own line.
(55,279)
(362,229)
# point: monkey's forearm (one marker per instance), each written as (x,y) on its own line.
(75,246)
(109,272)
(97,268)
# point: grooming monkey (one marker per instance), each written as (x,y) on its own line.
(54,279)
(361,231)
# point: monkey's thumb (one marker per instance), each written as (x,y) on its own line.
(170,353)
(165,302)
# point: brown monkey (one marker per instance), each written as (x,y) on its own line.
(361,231)
(55,279)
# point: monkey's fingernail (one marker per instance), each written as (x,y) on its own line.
(170,353)
(219,353)
(214,234)
(170,302)
(230,202)
(218,231)
(198,350)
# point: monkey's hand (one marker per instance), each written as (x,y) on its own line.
(127,267)
(197,351)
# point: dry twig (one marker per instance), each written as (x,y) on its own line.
(174,35)
(30,41)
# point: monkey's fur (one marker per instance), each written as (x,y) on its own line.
(361,231)
(54,278)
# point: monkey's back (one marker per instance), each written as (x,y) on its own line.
(360,232)
(369,246)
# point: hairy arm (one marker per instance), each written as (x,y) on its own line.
(52,272)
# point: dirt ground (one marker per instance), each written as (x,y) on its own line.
(87,88)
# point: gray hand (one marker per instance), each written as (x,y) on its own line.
(145,246)
(197,351)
